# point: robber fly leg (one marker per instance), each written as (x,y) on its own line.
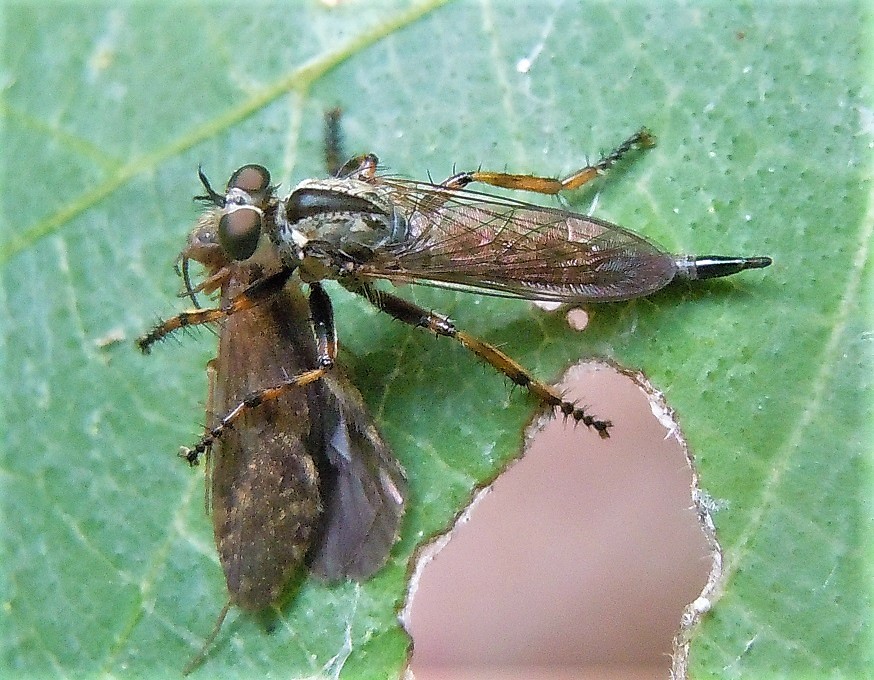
(322,315)
(257,292)
(412,314)
(549,185)
(322,319)
(192,455)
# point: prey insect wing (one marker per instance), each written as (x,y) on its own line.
(263,483)
(299,475)
(364,487)
(303,475)
(467,240)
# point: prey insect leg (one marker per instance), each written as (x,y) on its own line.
(257,292)
(334,158)
(549,185)
(322,315)
(410,313)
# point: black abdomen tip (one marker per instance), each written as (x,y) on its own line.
(715,266)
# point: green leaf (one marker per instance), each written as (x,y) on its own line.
(764,121)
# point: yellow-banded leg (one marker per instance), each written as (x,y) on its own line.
(258,292)
(410,313)
(322,319)
(550,185)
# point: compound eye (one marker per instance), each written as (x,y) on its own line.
(253,179)
(239,231)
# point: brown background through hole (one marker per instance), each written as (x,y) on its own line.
(579,561)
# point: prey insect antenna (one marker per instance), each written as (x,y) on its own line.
(186,278)
(201,655)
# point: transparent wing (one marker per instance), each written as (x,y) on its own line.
(365,488)
(497,246)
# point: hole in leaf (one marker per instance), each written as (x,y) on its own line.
(577,319)
(583,553)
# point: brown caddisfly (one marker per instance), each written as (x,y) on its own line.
(299,474)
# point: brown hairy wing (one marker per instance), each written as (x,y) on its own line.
(497,246)
(264,483)
(302,478)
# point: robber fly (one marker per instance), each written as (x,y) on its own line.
(284,423)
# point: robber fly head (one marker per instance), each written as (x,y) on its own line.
(239,214)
